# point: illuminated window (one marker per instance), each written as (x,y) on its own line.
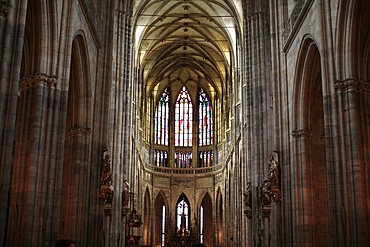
(162,114)
(160,158)
(183,119)
(205,120)
(180,122)
(163,226)
(205,158)
(149,117)
(182,214)
(201,223)
(183,160)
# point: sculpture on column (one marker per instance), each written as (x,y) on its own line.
(106,184)
(126,197)
(274,178)
(247,200)
(266,195)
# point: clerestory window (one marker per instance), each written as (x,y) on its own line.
(184,129)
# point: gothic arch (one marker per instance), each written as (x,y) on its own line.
(207,231)
(146,218)
(366,60)
(161,201)
(41,38)
(352,90)
(32,40)
(77,172)
(303,85)
(311,198)
(351,37)
(80,86)
(219,217)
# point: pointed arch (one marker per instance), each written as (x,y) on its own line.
(183,214)
(161,219)
(146,218)
(184,119)
(219,218)
(41,37)
(206,221)
(80,86)
(76,166)
(353,25)
(366,60)
(310,169)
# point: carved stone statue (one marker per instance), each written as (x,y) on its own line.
(266,194)
(106,176)
(126,194)
(247,200)
(106,183)
(247,195)
(274,174)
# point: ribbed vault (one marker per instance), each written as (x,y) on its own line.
(185,40)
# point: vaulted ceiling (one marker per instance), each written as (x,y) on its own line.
(186,40)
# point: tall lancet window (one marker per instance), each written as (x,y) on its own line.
(182,214)
(205,126)
(183,128)
(163,226)
(205,120)
(162,114)
(183,119)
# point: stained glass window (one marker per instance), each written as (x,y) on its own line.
(205,120)
(183,119)
(179,120)
(205,158)
(218,116)
(182,217)
(183,160)
(162,114)
(160,158)
(149,117)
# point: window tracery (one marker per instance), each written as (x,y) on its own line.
(181,123)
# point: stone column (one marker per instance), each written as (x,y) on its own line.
(106,193)
(257,87)
(301,169)
(353,106)
(12,24)
(77,172)
(37,164)
(121,126)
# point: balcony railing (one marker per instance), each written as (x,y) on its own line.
(201,171)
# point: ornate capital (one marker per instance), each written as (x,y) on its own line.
(36,80)
(125,211)
(4,8)
(266,211)
(352,84)
(302,133)
(79,131)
